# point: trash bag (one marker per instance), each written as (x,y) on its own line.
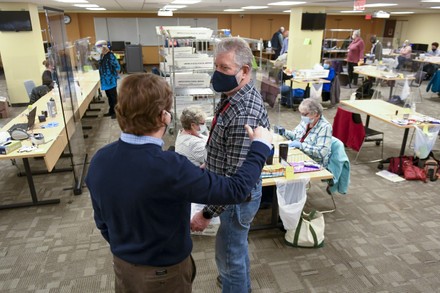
(291,199)
(425,140)
(316,91)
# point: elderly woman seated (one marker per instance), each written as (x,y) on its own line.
(314,133)
(191,141)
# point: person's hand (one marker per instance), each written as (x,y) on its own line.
(295,144)
(202,166)
(198,222)
(260,132)
(360,62)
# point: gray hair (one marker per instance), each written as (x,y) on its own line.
(357,33)
(242,52)
(193,114)
(311,105)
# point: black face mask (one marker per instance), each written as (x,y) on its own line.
(433,50)
(223,83)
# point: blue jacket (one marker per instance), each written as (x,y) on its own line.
(141,197)
(339,166)
(434,83)
(108,71)
(331,74)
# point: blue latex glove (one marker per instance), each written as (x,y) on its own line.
(295,144)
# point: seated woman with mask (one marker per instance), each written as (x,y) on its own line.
(313,135)
(191,141)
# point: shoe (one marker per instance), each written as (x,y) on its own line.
(265,205)
(219,282)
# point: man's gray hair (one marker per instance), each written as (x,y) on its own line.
(311,105)
(242,52)
(193,114)
(357,33)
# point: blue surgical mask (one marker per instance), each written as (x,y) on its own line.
(306,120)
(223,83)
(326,66)
(203,129)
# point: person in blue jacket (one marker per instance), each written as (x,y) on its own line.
(327,86)
(108,72)
(141,195)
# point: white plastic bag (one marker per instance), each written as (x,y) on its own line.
(425,140)
(291,199)
(316,91)
(405,91)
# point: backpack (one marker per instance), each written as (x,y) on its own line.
(431,167)
(365,91)
(396,164)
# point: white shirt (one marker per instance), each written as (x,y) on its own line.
(192,147)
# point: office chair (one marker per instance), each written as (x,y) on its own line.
(29,86)
(417,82)
(348,127)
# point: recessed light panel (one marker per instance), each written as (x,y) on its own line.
(85,5)
(380,5)
(233,10)
(255,7)
(96,8)
(287,3)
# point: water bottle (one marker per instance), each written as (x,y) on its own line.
(413,108)
(51,108)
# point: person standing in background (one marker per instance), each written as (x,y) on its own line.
(277,42)
(376,49)
(108,72)
(227,146)
(355,56)
(285,46)
(405,54)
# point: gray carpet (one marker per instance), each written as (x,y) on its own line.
(383,237)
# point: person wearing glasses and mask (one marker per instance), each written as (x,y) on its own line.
(108,72)
(141,194)
(240,104)
(313,135)
(191,140)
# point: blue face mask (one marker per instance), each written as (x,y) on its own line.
(326,66)
(223,82)
(306,120)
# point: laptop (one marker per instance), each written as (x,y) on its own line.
(28,125)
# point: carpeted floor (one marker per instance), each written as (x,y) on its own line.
(383,237)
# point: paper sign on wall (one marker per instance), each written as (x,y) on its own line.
(307,41)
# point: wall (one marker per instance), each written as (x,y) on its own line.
(422,28)
(22,54)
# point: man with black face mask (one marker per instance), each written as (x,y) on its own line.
(430,68)
(376,49)
(227,146)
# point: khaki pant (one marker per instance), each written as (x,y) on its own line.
(130,278)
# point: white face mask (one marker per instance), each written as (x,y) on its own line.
(307,120)
(203,129)
(99,50)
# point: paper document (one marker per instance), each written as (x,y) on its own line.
(390,176)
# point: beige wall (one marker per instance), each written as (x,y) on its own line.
(422,28)
(22,54)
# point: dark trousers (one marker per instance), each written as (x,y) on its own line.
(112,96)
(130,278)
(352,77)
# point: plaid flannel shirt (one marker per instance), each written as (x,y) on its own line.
(317,144)
(229,143)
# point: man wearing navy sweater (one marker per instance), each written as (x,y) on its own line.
(141,195)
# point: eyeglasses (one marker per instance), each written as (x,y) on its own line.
(305,114)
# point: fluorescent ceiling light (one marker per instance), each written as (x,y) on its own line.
(435,7)
(402,12)
(85,5)
(351,11)
(380,5)
(286,3)
(255,7)
(431,1)
(96,8)
(72,1)
(174,6)
(287,11)
(233,10)
(186,1)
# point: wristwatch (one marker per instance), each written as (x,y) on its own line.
(207,215)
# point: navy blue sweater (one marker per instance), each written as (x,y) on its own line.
(142,196)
